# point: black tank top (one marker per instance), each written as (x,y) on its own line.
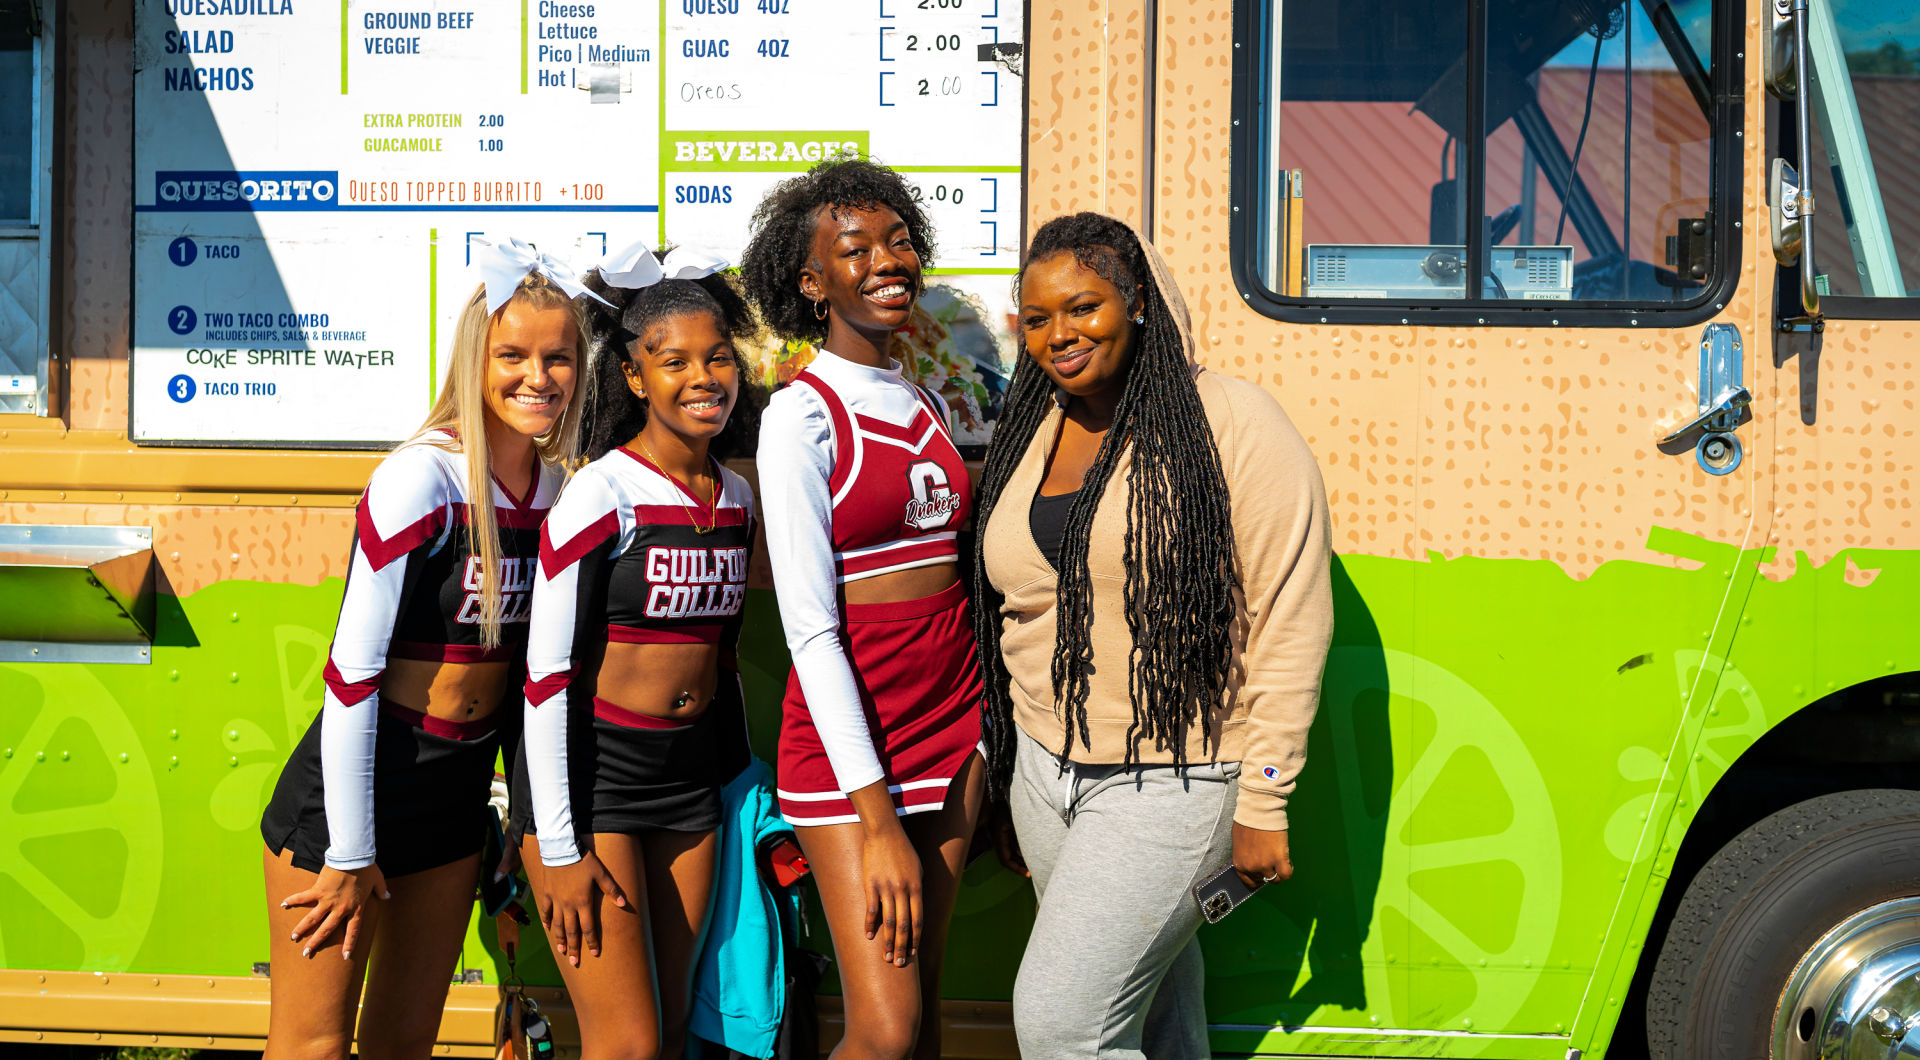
(1048,521)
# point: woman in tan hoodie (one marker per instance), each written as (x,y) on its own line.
(1154,617)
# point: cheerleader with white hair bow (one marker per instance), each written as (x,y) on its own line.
(375,829)
(634,718)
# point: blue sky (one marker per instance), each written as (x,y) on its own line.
(1648,52)
(1864,26)
(1868,24)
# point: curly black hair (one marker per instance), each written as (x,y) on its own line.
(783,228)
(610,413)
(1180,582)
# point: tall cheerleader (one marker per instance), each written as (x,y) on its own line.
(634,717)
(864,492)
(374,832)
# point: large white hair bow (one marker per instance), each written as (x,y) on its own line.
(503,265)
(635,266)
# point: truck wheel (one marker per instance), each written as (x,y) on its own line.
(1799,937)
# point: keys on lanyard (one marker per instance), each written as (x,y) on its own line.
(521,1015)
(539,1036)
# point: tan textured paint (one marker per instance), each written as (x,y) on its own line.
(1534,443)
(198,546)
(94,257)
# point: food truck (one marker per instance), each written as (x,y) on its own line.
(1601,319)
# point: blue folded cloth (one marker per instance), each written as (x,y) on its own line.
(740,981)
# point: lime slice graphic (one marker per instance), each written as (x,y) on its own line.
(83,838)
(1735,720)
(1469,828)
(237,800)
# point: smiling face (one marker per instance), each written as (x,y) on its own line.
(864,266)
(686,369)
(1077,326)
(532,356)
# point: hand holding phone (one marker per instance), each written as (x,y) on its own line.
(497,892)
(1220,894)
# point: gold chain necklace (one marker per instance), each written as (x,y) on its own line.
(713,503)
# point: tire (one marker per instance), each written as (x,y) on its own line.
(1760,904)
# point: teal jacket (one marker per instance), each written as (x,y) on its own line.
(740,981)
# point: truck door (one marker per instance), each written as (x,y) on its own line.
(1489,256)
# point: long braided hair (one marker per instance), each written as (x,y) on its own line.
(1180,577)
(611,414)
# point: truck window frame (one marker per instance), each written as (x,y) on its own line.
(1783,139)
(1253,88)
(37,227)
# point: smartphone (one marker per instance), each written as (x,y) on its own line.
(1220,894)
(497,894)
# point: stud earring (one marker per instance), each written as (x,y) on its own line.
(1141,319)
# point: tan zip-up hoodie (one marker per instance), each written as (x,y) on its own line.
(1284,616)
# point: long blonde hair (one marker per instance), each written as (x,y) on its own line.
(461,409)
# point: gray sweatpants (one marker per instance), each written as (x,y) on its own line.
(1113,970)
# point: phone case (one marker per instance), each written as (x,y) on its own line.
(1220,894)
(496,895)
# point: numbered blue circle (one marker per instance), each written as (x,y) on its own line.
(182,251)
(180,388)
(181,319)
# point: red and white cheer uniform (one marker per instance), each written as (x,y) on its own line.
(859,477)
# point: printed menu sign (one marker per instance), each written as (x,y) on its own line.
(311,179)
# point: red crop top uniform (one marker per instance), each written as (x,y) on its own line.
(379,781)
(859,477)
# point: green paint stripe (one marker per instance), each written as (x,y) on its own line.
(970,272)
(433,313)
(523,47)
(343,46)
(955,169)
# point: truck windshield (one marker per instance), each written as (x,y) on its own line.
(1590,159)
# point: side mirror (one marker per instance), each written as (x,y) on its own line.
(1783,202)
(1777,51)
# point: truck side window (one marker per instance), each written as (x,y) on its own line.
(1585,174)
(1865,71)
(26,94)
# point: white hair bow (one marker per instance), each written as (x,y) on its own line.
(635,266)
(503,265)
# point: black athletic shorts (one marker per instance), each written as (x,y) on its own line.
(627,780)
(430,793)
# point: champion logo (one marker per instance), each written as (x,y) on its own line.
(1270,773)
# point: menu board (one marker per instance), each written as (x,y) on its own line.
(311,179)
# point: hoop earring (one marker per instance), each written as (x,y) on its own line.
(820,310)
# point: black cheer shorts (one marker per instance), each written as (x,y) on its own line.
(430,791)
(627,779)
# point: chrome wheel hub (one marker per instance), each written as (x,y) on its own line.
(1856,994)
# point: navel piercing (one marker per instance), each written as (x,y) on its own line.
(682,700)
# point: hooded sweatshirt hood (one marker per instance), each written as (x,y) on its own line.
(1169,290)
